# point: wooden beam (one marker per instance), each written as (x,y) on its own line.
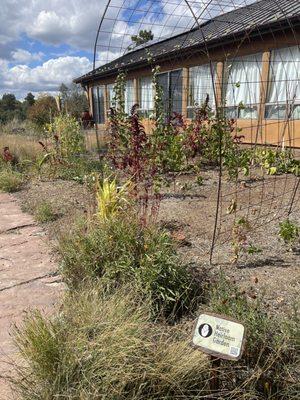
(263,94)
(219,83)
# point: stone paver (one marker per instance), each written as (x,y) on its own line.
(28,278)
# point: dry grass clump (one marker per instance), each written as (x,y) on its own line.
(10,180)
(45,212)
(270,364)
(104,347)
(23,148)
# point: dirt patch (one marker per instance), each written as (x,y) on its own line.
(274,272)
(188,211)
(68,199)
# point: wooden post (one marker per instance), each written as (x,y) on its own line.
(215,378)
(90,100)
(185,90)
(263,95)
(219,83)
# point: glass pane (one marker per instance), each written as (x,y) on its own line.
(201,85)
(176,91)
(98,104)
(146,94)
(243,83)
(163,82)
(248,113)
(129,99)
(231,112)
(276,111)
(284,85)
(296,114)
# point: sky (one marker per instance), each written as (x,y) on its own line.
(46,42)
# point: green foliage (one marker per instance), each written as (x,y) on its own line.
(104,346)
(67,137)
(43,111)
(289,231)
(120,250)
(73,100)
(11,108)
(44,212)
(111,199)
(10,180)
(142,37)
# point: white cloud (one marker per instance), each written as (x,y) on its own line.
(44,78)
(24,56)
(75,23)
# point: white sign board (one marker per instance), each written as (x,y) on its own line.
(219,336)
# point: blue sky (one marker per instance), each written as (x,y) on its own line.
(46,42)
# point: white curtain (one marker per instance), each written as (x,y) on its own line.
(129,96)
(243,84)
(111,95)
(146,93)
(284,83)
(201,85)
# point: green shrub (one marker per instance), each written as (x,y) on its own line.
(120,250)
(44,212)
(67,136)
(289,231)
(10,180)
(104,347)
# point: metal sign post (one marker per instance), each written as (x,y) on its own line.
(221,338)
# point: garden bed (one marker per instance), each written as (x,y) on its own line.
(188,212)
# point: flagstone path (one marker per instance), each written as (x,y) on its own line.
(28,278)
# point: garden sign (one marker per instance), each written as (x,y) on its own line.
(219,336)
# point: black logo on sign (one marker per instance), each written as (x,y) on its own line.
(205,330)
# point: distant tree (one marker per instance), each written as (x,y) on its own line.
(73,100)
(142,37)
(43,110)
(30,99)
(9,102)
(10,108)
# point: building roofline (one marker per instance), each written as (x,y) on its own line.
(99,73)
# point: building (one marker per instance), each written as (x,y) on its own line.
(247,61)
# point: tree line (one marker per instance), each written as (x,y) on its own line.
(41,109)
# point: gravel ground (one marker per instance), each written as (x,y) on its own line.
(189,210)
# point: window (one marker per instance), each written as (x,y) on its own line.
(283,99)
(242,90)
(110,95)
(98,104)
(129,99)
(128,96)
(146,102)
(171,84)
(200,85)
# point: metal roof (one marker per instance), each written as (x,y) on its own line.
(248,19)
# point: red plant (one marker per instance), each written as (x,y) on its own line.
(7,155)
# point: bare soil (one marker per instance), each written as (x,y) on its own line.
(188,211)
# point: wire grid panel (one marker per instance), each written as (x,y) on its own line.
(245,56)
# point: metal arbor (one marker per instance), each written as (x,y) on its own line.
(248,62)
